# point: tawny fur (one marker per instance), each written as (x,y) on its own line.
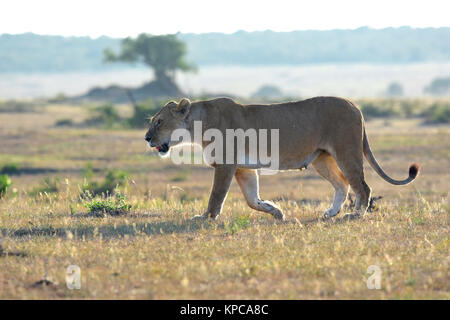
(334,126)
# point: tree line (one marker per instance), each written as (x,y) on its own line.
(36,53)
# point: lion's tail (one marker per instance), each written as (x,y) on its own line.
(413,169)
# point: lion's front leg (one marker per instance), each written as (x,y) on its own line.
(223,175)
(248,181)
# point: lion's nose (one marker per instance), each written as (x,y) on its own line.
(147,138)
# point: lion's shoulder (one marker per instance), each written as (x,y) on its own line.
(222,101)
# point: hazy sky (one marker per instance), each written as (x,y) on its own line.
(130,17)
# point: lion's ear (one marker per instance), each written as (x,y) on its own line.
(183,108)
(171,104)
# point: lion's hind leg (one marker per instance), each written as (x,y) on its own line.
(248,182)
(327,167)
(351,164)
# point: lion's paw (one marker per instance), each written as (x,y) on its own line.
(329,213)
(351,216)
(278,214)
(200,217)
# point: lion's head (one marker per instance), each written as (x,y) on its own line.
(171,117)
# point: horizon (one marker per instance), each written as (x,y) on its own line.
(112,19)
(226,33)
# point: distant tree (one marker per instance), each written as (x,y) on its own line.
(165,54)
(268,91)
(438,86)
(395,89)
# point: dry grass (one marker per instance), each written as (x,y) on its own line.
(156,252)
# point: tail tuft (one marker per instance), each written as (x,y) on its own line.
(414,170)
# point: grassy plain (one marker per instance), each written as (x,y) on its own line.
(156,252)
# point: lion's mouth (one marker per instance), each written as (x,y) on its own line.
(164,148)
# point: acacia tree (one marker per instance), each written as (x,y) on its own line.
(165,54)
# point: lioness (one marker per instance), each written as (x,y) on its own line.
(326,131)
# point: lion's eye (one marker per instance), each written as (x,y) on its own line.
(158,122)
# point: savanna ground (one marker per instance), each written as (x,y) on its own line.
(156,252)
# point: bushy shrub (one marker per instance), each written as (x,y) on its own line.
(10,168)
(114,179)
(406,108)
(16,106)
(5,183)
(142,111)
(105,115)
(373,109)
(439,112)
(64,123)
(112,204)
(59,98)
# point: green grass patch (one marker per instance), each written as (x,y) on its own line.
(112,205)
(237,224)
(180,176)
(47,185)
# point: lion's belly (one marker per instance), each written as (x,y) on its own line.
(289,162)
